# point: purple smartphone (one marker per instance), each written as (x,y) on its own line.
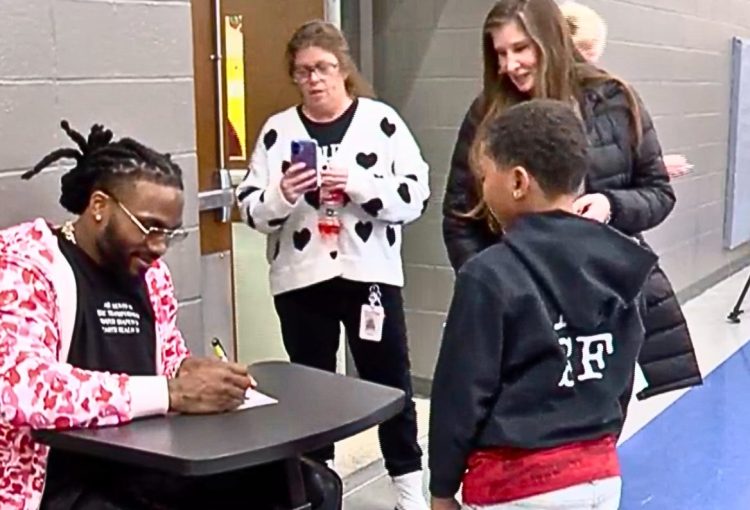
(306,151)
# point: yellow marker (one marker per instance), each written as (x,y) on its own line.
(219,350)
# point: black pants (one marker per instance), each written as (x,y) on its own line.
(310,325)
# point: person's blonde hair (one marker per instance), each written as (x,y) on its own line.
(326,36)
(562,73)
(585,24)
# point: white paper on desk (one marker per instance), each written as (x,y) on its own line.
(255,398)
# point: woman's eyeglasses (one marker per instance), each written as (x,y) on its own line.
(301,74)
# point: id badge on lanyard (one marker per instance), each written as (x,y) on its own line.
(372,317)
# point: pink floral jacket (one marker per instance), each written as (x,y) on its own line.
(38,389)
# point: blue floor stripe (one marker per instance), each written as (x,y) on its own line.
(696,454)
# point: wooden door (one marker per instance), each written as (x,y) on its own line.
(240,80)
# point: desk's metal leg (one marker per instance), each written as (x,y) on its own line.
(297,493)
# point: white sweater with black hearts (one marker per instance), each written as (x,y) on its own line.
(388,187)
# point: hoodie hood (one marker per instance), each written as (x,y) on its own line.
(588,269)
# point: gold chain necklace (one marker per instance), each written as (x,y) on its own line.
(69,231)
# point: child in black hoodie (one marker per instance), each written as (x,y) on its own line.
(542,335)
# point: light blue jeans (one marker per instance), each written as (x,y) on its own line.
(597,495)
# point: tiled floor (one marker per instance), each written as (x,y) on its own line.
(715,341)
(694,455)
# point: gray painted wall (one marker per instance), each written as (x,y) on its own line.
(676,53)
(127,64)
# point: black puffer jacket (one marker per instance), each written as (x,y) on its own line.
(637,185)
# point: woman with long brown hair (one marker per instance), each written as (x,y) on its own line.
(528,53)
(333,222)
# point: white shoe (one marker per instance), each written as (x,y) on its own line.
(410,493)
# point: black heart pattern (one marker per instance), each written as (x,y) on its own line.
(270,138)
(373,207)
(364,230)
(412,177)
(276,249)
(313,198)
(278,221)
(247,192)
(250,220)
(285,166)
(301,238)
(390,234)
(387,127)
(367,161)
(334,254)
(403,192)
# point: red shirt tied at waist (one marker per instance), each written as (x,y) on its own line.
(500,475)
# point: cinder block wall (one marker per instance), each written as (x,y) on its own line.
(125,63)
(675,52)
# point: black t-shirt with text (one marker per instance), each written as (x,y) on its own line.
(329,134)
(114,328)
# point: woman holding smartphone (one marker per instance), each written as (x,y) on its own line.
(331,182)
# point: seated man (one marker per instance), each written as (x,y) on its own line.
(88,336)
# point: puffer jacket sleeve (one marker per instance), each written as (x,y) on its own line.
(650,198)
(667,357)
(463,237)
